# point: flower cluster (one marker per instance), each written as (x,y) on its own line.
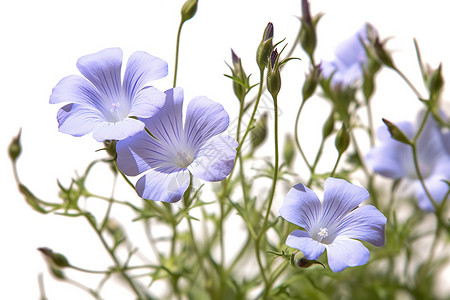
(147,123)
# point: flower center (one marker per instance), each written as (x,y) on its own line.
(183,159)
(322,234)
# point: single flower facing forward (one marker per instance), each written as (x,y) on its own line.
(336,224)
(101,103)
(177,150)
(393,159)
(350,58)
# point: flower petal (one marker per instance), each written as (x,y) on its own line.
(78,120)
(118,131)
(204,119)
(147,102)
(301,240)
(167,124)
(215,159)
(351,51)
(102,69)
(76,89)
(159,186)
(437,188)
(391,158)
(343,253)
(142,152)
(340,197)
(141,69)
(365,223)
(301,207)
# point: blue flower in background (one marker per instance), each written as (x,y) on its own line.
(101,103)
(394,159)
(176,150)
(333,224)
(351,57)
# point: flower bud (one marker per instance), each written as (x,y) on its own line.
(396,132)
(259,133)
(188,10)
(240,78)
(382,54)
(328,126)
(288,151)
(56,258)
(303,262)
(265,47)
(273,75)
(436,81)
(311,81)
(342,139)
(15,147)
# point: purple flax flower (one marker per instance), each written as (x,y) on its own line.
(101,102)
(351,57)
(176,150)
(394,159)
(333,224)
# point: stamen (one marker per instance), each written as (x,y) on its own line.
(323,233)
(184,159)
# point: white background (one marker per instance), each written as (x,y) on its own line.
(41,41)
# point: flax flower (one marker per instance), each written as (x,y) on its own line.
(393,159)
(177,150)
(336,224)
(101,103)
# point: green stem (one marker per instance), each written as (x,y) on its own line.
(113,256)
(297,141)
(336,164)
(413,88)
(177,54)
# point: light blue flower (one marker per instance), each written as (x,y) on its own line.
(394,159)
(350,58)
(176,150)
(101,103)
(334,224)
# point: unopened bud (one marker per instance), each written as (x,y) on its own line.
(188,10)
(382,54)
(265,47)
(288,151)
(328,126)
(15,147)
(240,78)
(56,258)
(273,75)
(259,133)
(342,139)
(396,132)
(306,263)
(436,81)
(311,81)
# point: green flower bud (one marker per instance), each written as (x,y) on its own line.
(259,133)
(342,139)
(311,81)
(288,150)
(240,78)
(436,81)
(306,263)
(382,54)
(15,147)
(328,126)
(396,132)
(55,258)
(265,47)
(308,36)
(273,75)
(188,10)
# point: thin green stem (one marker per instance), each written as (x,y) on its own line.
(336,164)
(413,88)
(175,72)
(297,141)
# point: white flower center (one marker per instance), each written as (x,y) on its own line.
(183,159)
(323,233)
